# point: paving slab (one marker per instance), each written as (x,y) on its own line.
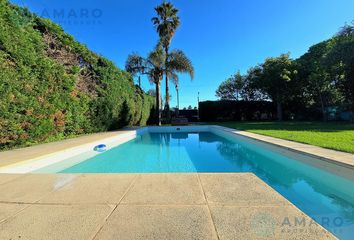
(55,222)
(165,189)
(10,209)
(74,206)
(92,188)
(243,189)
(158,222)
(33,187)
(9,177)
(280,222)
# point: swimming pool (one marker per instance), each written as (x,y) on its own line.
(324,191)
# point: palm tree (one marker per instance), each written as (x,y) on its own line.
(178,62)
(166,23)
(155,65)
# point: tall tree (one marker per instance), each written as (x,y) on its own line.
(327,69)
(316,79)
(239,84)
(154,66)
(346,31)
(226,90)
(250,91)
(134,65)
(231,88)
(166,23)
(275,80)
(320,80)
(177,63)
(340,63)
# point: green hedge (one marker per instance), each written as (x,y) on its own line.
(52,87)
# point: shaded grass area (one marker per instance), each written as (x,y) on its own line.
(335,135)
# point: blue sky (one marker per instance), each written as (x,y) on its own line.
(220,36)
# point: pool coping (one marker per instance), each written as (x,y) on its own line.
(25,155)
(332,156)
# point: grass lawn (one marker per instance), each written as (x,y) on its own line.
(337,136)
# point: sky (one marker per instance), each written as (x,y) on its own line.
(220,37)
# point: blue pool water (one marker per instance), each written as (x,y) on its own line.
(326,197)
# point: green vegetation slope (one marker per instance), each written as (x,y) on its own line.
(52,87)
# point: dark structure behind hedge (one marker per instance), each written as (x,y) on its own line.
(190,114)
(227,110)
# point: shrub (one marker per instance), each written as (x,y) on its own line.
(53,87)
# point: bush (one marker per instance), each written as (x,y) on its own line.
(53,87)
(228,110)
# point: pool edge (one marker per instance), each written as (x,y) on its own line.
(328,155)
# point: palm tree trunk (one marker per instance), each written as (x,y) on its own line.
(167,103)
(279,111)
(158,103)
(279,108)
(323,109)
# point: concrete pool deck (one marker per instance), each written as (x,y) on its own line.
(148,206)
